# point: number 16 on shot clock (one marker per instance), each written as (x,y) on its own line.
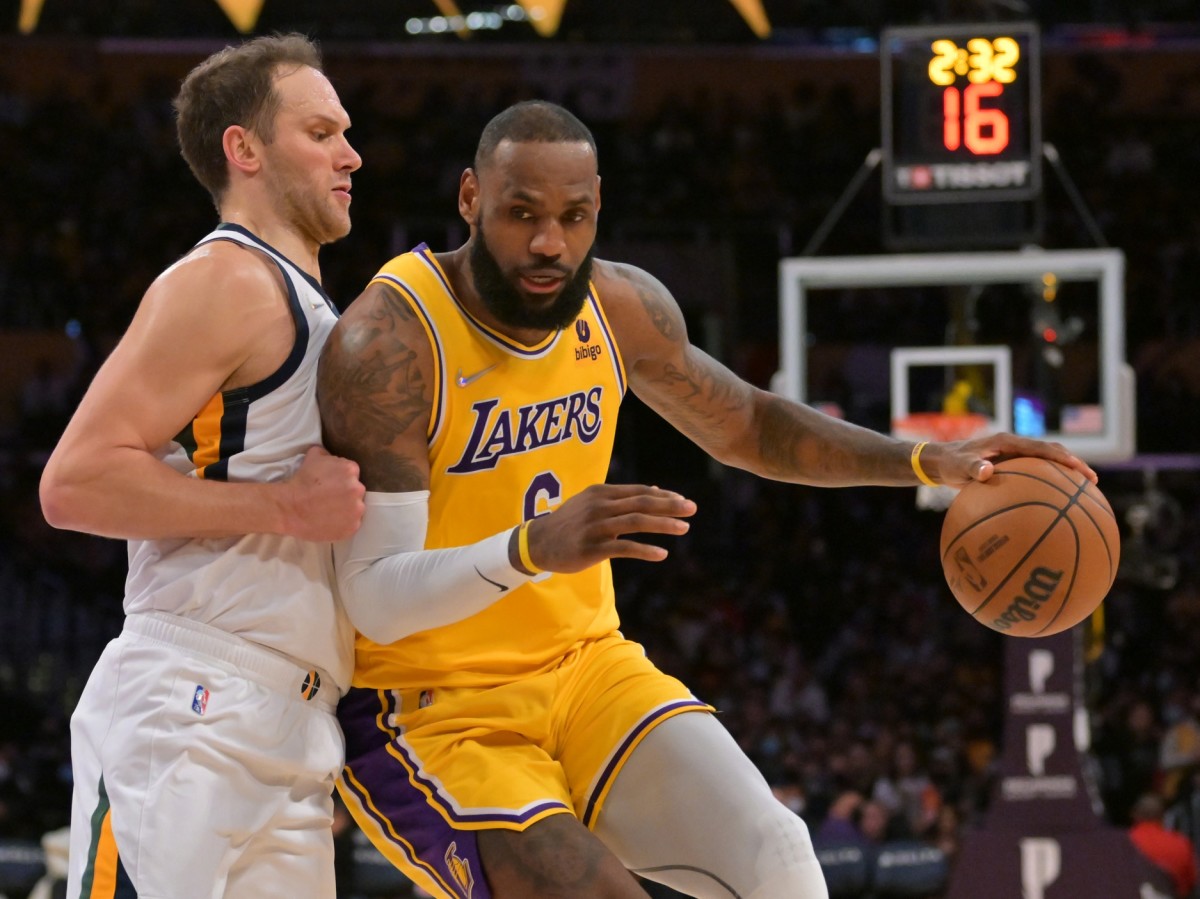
(961,113)
(986,66)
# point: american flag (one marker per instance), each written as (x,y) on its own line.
(1082,419)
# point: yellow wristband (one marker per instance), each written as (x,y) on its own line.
(916,465)
(523,549)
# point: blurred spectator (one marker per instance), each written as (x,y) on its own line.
(841,824)
(1128,751)
(946,833)
(1169,850)
(907,790)
(853,819)
(1180,750)
(1183,814)
(878,825)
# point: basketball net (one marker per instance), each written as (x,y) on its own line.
(941,428)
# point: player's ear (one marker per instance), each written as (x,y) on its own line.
(241,149)
(468,197)
(597,193)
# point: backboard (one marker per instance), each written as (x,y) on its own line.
(948,317)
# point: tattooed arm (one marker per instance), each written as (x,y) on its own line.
(741,425)
(374,390)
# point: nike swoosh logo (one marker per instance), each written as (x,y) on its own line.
(501,587)
(463,381)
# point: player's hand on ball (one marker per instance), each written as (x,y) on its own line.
(959,463)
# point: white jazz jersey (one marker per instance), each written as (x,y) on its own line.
(272,590)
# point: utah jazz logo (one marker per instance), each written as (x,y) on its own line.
(460,870)
(311,685)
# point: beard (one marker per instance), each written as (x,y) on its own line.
(507,304)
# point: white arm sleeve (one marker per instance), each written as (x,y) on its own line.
(392,586)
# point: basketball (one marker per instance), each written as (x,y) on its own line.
(1033,550)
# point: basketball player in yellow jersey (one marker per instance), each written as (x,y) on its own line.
(503,739)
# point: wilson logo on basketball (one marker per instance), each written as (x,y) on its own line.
(1038,589)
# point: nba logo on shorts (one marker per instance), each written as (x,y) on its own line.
(425,700)
(200,699)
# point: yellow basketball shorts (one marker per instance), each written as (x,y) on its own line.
(427,769)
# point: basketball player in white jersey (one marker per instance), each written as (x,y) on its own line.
(205,746)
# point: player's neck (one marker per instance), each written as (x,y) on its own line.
(283,237)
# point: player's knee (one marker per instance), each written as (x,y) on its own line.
(783,836)
(786,866)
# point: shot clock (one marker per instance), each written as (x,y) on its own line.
(961,113)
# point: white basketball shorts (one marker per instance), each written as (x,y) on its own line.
(204,767)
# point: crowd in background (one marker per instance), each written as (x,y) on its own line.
(621,21)
(816,621)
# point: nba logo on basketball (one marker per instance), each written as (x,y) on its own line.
(200,700)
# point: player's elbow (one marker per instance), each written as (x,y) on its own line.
(59,506)
(382,633)
(740,448)
(371,628)
(372,619)
(66,494)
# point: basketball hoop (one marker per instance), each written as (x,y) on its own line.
(943,428)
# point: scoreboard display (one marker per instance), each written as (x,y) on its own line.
(961,113)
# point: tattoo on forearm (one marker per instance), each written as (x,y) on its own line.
(792,448)
(737,423)
(779,438)
(703,399)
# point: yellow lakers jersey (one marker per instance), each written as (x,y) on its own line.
(515,430)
